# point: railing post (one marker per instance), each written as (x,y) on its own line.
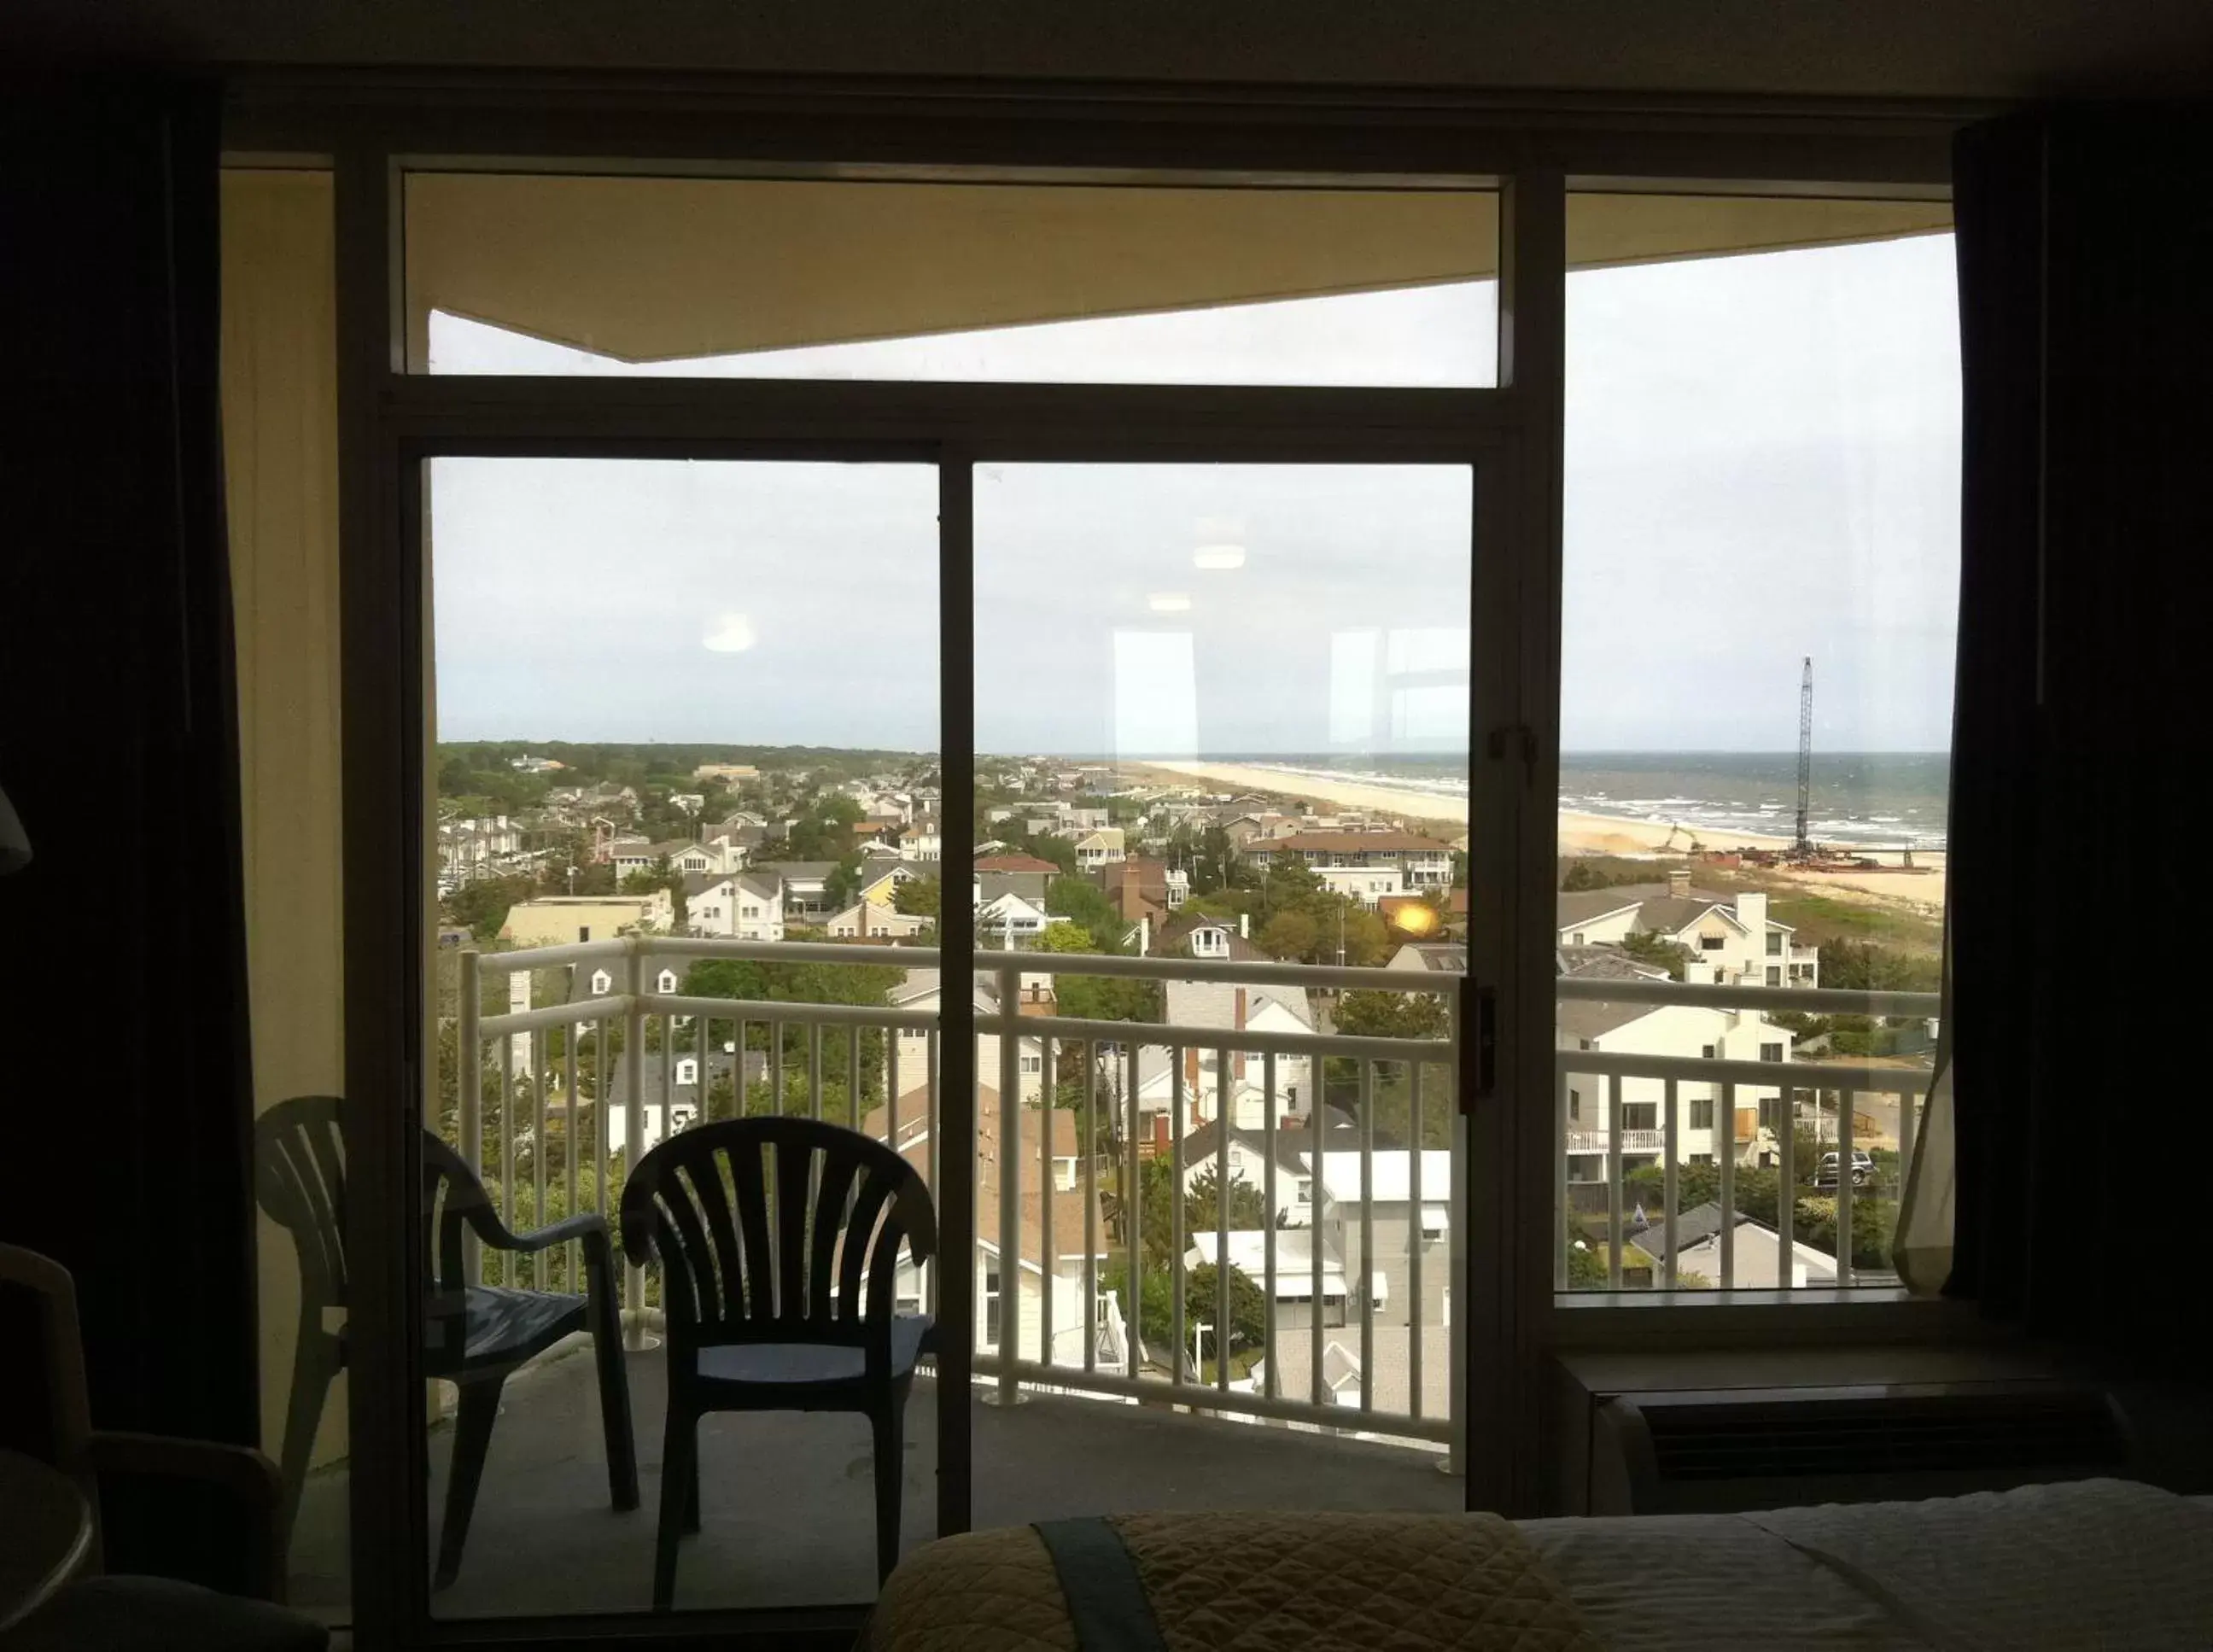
(1456,1227)
(633,1124)
(469,1093)
(1011,1182)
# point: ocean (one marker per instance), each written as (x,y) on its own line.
(1875,799)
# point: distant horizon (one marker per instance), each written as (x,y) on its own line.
(1246,755)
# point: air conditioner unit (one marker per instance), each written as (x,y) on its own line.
(1723,1450)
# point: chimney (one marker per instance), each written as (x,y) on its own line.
(1245,926)
(1144,935)
(1678,882)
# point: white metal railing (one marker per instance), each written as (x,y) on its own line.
(1817,1098)
(1123,1087)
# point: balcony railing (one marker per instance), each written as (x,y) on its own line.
(1303,1374)
(1834,1090)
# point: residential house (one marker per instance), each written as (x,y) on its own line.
(805,884)
(631,857)
(1400,1218)
(472,848)
(1244,828)
(1248,1158)
(864,920)
(1098,848)
(1443,957)
(922,839)
(1691,1031)
(717,854)
(1369,885)
(1731,940)
(1425,863)
(1047,1257)
(1293,1298)
(688,802)
(1023,875)
(1010,921)
(880,877)
(1222,1006)
(556,920)
(736,905)
(1755,1254)
(1212,940)
(1143,889)
(674,1096)
(923,990)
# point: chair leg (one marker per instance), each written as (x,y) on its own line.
(680,1454)
(478,1411)
(314,1370)
(614,1400)
(692,1491)
(891,1472)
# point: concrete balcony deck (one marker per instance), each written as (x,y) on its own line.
(787,1499)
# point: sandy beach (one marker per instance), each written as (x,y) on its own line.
(1581,833)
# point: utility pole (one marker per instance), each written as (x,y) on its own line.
(1805,846)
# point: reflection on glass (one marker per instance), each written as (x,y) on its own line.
(1762,564)
(759,278)
(1221,725)
(670,743)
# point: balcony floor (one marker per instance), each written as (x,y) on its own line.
(787,1501)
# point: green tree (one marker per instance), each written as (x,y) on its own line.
(920,897)
(1646,947)
(1291,936)
(1248,1307)
(1377,1015)
(1096,997)
(1085,906)
(482,905)
(843,882)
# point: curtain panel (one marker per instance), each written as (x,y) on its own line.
(126,1085)
(2086,523)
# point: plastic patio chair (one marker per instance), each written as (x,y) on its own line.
(474,1336)
(778,1242)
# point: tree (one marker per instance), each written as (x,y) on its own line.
(1862,965)
(1393,1015)
(482,905)
(1646,947)
(1291,936)
(843,882)
(1096,997)
(922,896)
(1248,1307)
(1084,905)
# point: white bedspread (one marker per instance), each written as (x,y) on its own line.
(2094,1563)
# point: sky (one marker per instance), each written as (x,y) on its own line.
(1762,464)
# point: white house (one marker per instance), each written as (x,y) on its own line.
(1221,1006)
(1010,920)
(1755,1257)
(717,854)
(1426,863)
(1044,1269)
(1731,940)
(923,990)
(738,905)
(1693,1030)
(1366,884)
(1247,1158)
(805,884)
(1293,1291)
(923,840)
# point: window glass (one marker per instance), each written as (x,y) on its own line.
(1761,546)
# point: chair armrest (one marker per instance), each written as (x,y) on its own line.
(247,1474)
(581,1225)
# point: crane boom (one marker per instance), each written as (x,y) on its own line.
(1805,751)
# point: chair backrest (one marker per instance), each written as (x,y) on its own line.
(300,1182)
(777,1230)
(453,1197)
(48,1415)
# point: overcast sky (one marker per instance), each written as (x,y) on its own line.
(1762,464)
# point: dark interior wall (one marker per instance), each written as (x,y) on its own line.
(2001,49)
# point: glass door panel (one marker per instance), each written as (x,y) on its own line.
(1222,715)
(685,723)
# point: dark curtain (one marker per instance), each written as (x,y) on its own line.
(2086,305)
(124,1090)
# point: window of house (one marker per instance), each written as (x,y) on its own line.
(1640,1115)
(1774,944)
(1579,937)
(601,982)
(992,1303)
(1706,1052)
(1585,1044)
(583,932)
(1033,1063)
(1702,1113)
(1771,1053)
(1712,942)
(1706,1159)
(1775,975)
(1575,1104)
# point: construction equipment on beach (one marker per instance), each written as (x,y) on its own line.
(1804,845)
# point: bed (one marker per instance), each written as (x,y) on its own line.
(2102,1563)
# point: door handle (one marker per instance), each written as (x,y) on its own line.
(1485,1033)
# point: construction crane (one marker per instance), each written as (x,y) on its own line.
(1805,844)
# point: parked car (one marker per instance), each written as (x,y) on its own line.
(1824,1174)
